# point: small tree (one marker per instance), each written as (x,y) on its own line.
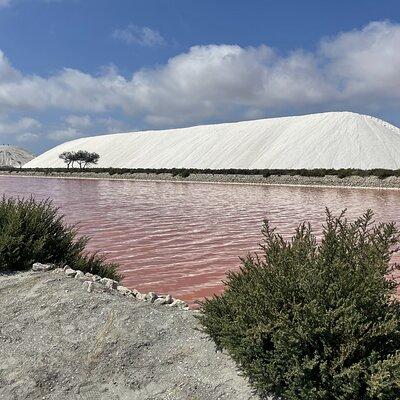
(67,157)
(91,158)
(82,157)
(85,158)
(309,321)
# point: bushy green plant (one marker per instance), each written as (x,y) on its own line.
(32,231)
(185,173)
(314,321)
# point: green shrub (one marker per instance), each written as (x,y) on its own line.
(32,231)
(185,173)
(309,321)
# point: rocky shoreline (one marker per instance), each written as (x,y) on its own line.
(97,283)
(391,182)
(68,335)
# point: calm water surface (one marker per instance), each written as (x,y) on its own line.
(181,238)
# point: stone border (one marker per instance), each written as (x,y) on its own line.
(93,283)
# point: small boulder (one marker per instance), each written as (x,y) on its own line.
(96,278)
(151,297)
(88,275)
(70,272)
(88,285)
(160,301)
(109,283)
(140,296)
(124,290)
(169,299)
(79,275)
(38,267)
(180,304)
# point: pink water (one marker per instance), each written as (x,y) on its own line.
(181,238)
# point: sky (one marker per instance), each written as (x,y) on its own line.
(74,68)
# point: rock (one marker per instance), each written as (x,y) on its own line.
(140,296)
(180,304)
(151,297)
(66,267)
(88,275)
(70,272)
(96,278)
(88,285)
(124,290)
(79,275)
(38,267)
(109,283)
(169,299)
(160,301)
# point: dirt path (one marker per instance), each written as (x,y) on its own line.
(57,341)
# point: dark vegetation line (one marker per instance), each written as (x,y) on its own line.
(185,172)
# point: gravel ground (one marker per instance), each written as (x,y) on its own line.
(392,182)
(57,341)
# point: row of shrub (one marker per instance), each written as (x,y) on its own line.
(34,231)
(185,172)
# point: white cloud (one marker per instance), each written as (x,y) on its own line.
(365,62)
(79,121)
(27,137)
(64,134)
(4,3)
(357,68)
(19,126)
(140,35)
(24,129)
(113,125)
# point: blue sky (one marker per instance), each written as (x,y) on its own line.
(72,68)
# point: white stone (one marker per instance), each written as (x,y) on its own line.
(70,272)
(140,296)
(88,285)
(79,275)
(160,301)
(39,267)
(109,283)
(151,297)
(179,303)
(124,290)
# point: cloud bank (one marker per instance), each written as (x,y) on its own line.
(359,68)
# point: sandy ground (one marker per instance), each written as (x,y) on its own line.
(57,341)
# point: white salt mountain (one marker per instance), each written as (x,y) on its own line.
(11,156)
(326,140)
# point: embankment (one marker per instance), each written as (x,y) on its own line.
(390,182)
(59,341)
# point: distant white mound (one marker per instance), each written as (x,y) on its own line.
(326,140)
(11,156)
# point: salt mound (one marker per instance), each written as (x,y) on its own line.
(11,156)
(325,140)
